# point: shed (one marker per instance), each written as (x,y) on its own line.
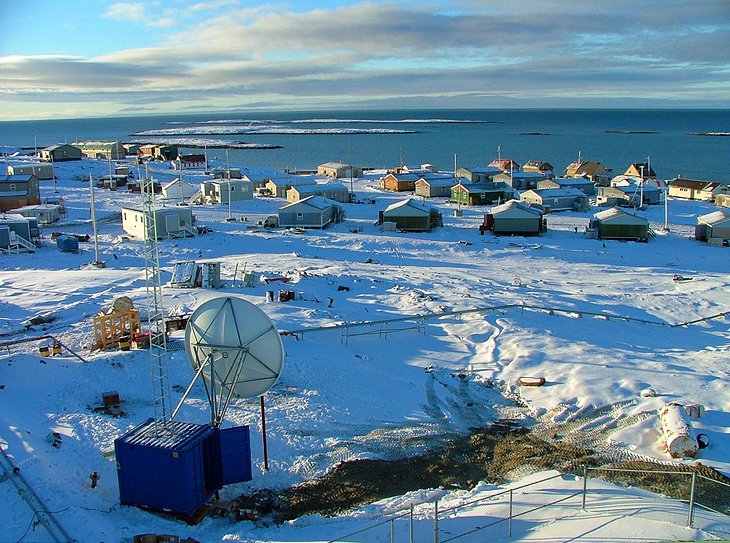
(42,170)
(60,152)
(171,222)
(514,217)
(332,191)
(481,193)
(178,470)
(432,186)
(411,216)
(311,212)
(715,225)
(615,223)
(556,199)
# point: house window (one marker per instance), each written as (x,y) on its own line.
(483,195)
(300,216)
(12,187)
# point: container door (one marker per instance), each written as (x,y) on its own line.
(235,454)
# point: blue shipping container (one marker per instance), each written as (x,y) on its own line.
(178,470)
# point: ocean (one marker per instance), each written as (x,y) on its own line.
(677,143)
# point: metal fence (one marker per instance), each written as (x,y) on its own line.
(686,498)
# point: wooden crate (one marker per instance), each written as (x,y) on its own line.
(111,327)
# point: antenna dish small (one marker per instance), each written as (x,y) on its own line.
(236,349)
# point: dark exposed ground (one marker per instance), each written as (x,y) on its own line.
(487,454)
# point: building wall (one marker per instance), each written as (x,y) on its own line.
(517,225)
(623,231)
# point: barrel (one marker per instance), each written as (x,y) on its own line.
(124,344)
(44,350)
(56,348)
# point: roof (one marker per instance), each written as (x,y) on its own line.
(695,183)
(484,187)
(483,169)
(18,178)
(315,201)
(557,193)
(335,165)
(303,189)
(620,216)
(512,205)
(539,164)
(587,168)
(714,218)
(572,181)
(408,203)
(292,180)
(526,175)
(504,163)
(446,181)
(58,146)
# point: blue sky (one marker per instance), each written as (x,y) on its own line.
(61,59)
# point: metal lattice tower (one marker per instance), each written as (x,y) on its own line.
(155,312)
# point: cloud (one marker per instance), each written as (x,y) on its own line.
(389,52)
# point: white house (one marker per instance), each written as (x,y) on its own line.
(178,189)
(42,170)
(171,222)
(218,190)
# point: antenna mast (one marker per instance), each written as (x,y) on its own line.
(155,312)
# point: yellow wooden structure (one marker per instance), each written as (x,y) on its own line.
(109,328)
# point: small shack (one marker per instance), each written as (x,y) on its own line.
(311,212)
(172,222)
(615,223)
(514,218)
(713,226)
(181,468)
(411,216)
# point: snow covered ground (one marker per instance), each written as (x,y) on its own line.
(378,394)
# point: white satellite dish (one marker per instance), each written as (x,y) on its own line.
(233,345)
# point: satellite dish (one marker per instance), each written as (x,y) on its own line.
(233,345)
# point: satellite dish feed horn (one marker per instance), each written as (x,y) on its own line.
(236,350)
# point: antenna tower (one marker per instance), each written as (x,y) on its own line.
(155,312)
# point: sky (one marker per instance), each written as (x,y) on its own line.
(89,58)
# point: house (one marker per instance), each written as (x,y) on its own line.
(153,151)
(43,213)
(514,218)
(695,189)
(113,150)
(338,170)
(399,182)
(539,166)
(595,171)
(583,184)
(18,233)
(505,164)
(189,162)
(411,216)
(647,190)
(311,212)
(615,223)
(177,189)
(640,169)
(520,180)
(474,194)
(277,186)
(332,191)
(230,173)
(617,196)
(550,200)
(723,200)
(60,152)
(422,169)
(171,222)
(432,186)
(715,225)
(217,191)
(478,175)
(18,191)
(42,170)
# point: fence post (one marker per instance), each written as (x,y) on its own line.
(436,522)
(690,516)
(392,530)
(585,486)
(410,527)
(509,519)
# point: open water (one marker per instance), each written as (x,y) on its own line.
(669,139)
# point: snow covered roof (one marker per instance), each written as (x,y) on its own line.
(714,218)
(618,215)
(408,203)
(512,205)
